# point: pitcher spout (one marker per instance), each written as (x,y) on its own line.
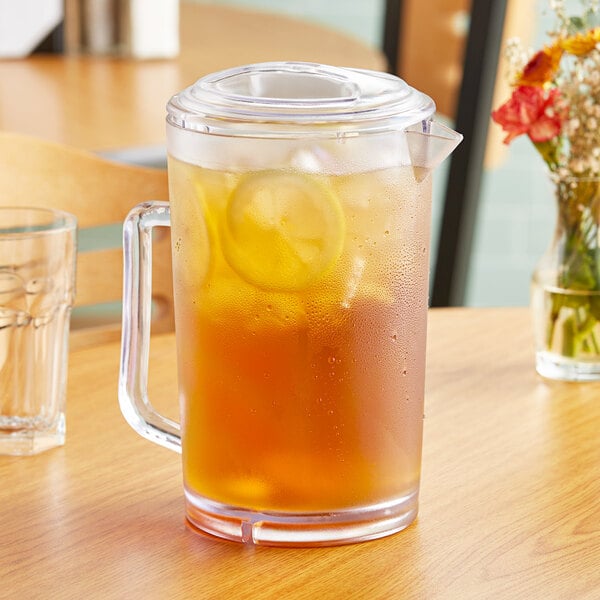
(430,142)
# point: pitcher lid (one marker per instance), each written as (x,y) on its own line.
(298,98)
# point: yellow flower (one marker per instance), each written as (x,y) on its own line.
(542,67)
(581,43)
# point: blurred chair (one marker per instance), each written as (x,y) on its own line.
(450,50)
(424,43)
(99,193)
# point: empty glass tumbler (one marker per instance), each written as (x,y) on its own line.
(37,287)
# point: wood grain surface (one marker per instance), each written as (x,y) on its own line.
(510,497)
(103,103)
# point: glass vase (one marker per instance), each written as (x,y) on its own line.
(565,294)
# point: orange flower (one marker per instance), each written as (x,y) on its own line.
(581,43)
(534,111)
(542,66)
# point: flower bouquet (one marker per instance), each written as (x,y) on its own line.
(556,102)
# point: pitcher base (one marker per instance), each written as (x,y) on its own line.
(301,529)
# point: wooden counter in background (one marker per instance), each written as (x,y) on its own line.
(100,103)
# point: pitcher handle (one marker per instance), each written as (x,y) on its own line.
(135,341)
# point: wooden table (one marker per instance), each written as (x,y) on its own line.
(510,498)
(100,103)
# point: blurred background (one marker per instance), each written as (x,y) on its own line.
(360,18)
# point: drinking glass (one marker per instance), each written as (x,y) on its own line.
(37,287)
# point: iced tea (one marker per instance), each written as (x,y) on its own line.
(301,305)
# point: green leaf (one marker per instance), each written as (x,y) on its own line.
(577,23)
(549,152)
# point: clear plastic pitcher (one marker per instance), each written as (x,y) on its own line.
(300,213)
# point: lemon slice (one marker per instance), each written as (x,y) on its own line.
(195,230)
(282,230)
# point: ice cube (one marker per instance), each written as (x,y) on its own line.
(355,275)
(312,159)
